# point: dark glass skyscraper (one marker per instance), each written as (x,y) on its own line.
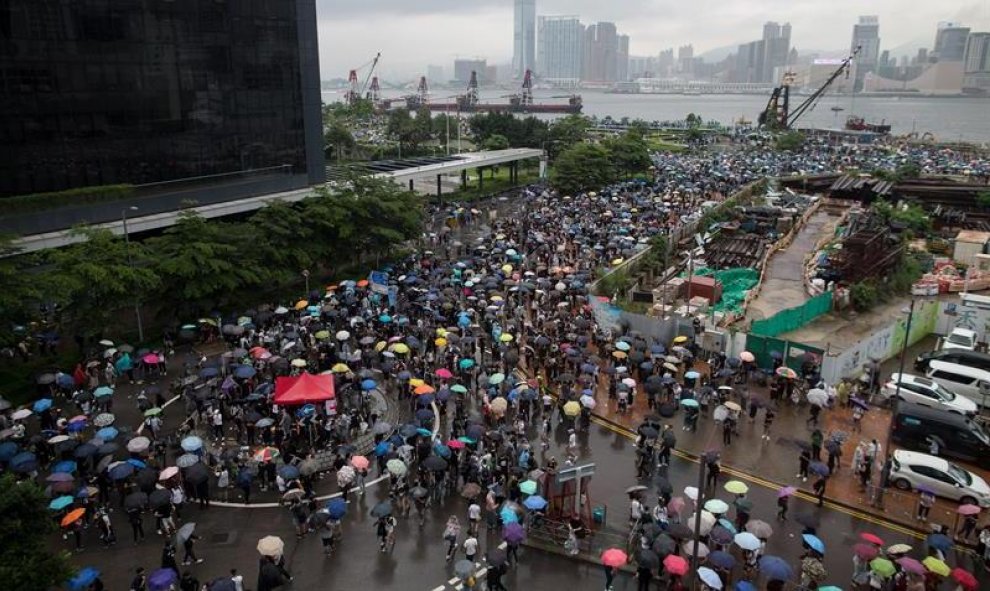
(97,92)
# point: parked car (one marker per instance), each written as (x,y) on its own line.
(958,436)
(923,391)
(910,469)
(957,356)
(960,338)
(963,380)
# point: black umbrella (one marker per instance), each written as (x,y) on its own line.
(646,558)
(146,479)
(104,463)
(222,584)
(418,492)
(159,498)
(107,449)
(664,545)
(496,557)
(679,531)
(663,486)
(807,520)
(648,432)
(382,509)
(435,464)
(197,473)
(135,500)
(84,451)
(668,409)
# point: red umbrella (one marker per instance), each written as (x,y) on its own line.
(967,510)
(871,538)
(676,565)
(614,557)
(455,444)
(866,551)
(444,374)
(964,578)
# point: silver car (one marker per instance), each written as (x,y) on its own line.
(923,391)
(913,470)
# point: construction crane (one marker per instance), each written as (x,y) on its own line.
(356,92)
(778,116)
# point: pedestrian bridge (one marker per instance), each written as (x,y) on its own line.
(52,229)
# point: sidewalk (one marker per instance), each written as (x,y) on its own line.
(775,462)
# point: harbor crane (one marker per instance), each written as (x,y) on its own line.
(778,116)
(357,92)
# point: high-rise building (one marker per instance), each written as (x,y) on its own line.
(464,66)
(524,37)
(866,36)
(776,46)
(749,62)
(685,59)
(976,63)
(950,42)
(100,93)
(622,59)
(559,47)
(600,48)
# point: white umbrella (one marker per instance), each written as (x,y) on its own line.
(138,444)
(687,548)
(629,382)
(709,577)
(271,546)
(298,363)
(691,493)
(345,475)
(20,415)
(747,541)
(169,472)
(588,402)
(707,522)
(818,397)
(721,413)
(281,310)
(343,335)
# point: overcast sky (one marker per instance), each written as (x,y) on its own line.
(414,33)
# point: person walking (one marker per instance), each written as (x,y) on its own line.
(768,417)
(470,547)
(450,533)
(714,469)
(140,580)
(968,527)
(816,445)
(804,460)
(819,488)
(189,555)
(643,577)
(782,506)
(926,499)
(609,576)
(168,556)
(137,524)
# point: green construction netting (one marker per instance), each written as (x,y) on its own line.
(793,318)
(735,283)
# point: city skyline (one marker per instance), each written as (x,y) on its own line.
(441,30)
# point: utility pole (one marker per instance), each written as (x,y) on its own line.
(130,263)
(895,402)
(697,519)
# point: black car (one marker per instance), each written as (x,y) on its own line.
(959,356)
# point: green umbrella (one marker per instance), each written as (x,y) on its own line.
(153,411)
(459,389)
(882,567)
(527,487)
(496,379)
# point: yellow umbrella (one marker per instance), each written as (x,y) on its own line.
(441,332)
(936,566)
(572,409)
(505,337)
(617,261)
(499,405)
(340,368)
(301,304)
(496,298)
(619,354)
(736,487)
(322,334)
(680,339)
(416,382)
(506,269)
(440,342)
(380,346)
(400,348)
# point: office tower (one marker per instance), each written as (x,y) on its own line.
(866,36)
(600,48)
(102,93)
(749,61)
(559,45)
(976,63)
(622,59)
(464,66)
(776,46)
(524,37)
(685,59)
(950,42)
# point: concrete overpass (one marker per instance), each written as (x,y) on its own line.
(52,229)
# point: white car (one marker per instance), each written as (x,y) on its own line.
(960,338)
(923,391)
(910,470)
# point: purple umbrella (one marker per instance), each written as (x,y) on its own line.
(513,533)
(162,579)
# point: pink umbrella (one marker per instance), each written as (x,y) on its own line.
(168,473)
(911,565)
(455,444)
(871,538)
(443,373)
(614,557)
(150,359)
(967,510)
(360,462)
(786,491)
(676,505)
(747,357)
(867,551)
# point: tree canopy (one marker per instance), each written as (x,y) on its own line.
(26,560)
(583,167)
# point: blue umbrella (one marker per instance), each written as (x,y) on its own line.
(61,503)
(137,463)
(466,363)
(744,585)
(508,516)
(162,579)
(288,472)
(369,384)
(121,471)
(209,372)
(424,400)
(42,405)
(441,450)
(337,508)
(103,392)
(307,410)
(939,541)
(383,448)
(8,449)
(728,525)
(67,466)
(818,468)
(692,375)
(424,414)
(424,432)
(385,319)
(814,543)
(24,462)
(192,444)
(64,380)
(443,395)
(721,559)
(107,433)
(84,579)
(689,402)
(408,430)
(76,427)
(244,372)
(776,568)
(404,375)
(535,502)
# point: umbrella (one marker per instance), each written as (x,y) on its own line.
(722,560)
(138,444)
(185,532)
(24,462)
(396,468)
(818,397)
(883,567)
(967,510)
(73,516)
(818,468)
(120,470)
(527,487)
(360,462)
(107,433)
(337,508)
(871,538)
(508,515)
(614,557)
(776,568)
(104,419)
(463,569)
(103,391)
(933,564)
(496,557)
(786,372)
(716,506)
(709,577)
(159,498)
(572,408)
(964,578)
(688,549)
(786,491)
(747,541)
(162,579)
(664,545)
(721,534)
(42,405)
(679,531)
(814,542)
(84,578)
(382,509)
(646,558)
(20,415)
(197,474)
(435,464)
(939,542)
(736,487)
(60,503)
(866,551)
(271,546)
(192,444)
(535,502)
(153,412)
(899,549)
(186,460)
(911,565)
(676,565)
(288,472)
(514,533)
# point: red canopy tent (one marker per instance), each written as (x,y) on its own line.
(303,389)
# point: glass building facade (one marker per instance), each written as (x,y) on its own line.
(98,92)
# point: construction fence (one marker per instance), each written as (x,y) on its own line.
(793,318)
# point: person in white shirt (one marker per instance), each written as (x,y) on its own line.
(474,517)
(237,579)
(635,512)
(470,547)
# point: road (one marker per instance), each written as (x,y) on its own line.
(417,562)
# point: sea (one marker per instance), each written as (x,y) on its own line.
(947,119)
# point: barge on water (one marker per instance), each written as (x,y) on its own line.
(518,103)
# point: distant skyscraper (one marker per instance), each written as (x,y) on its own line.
(685,59)
(749,61)
(866,36)
(464,67)
(976,65)
(558,55)
(524,37)
(600,48)
(622,59)
(434,75)
(776,46)
(950,42)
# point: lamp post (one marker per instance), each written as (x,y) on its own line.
(895,403)
(305,273)
(130,263)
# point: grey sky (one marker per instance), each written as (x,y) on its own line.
(413,33)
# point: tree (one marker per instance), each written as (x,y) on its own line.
(629,154)
(401,127)
(790,141)
(284,238)
(95,278)
(565,133)
(338,139)
(26,560)
(583,167)
(21,292)
(496,142)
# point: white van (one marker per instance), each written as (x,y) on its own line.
(960,338)
(963,380)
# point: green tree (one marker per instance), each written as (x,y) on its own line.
(629,154)
(583,167)
(496,142)
(95,278)
(401,127)
(983,199)
(21,292)
(26,559)
(565,133)
(284,238)
(790,141)
(338,139)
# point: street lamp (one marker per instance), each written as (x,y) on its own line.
(130,263)
(305,273)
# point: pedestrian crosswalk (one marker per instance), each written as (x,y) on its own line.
(481,570)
